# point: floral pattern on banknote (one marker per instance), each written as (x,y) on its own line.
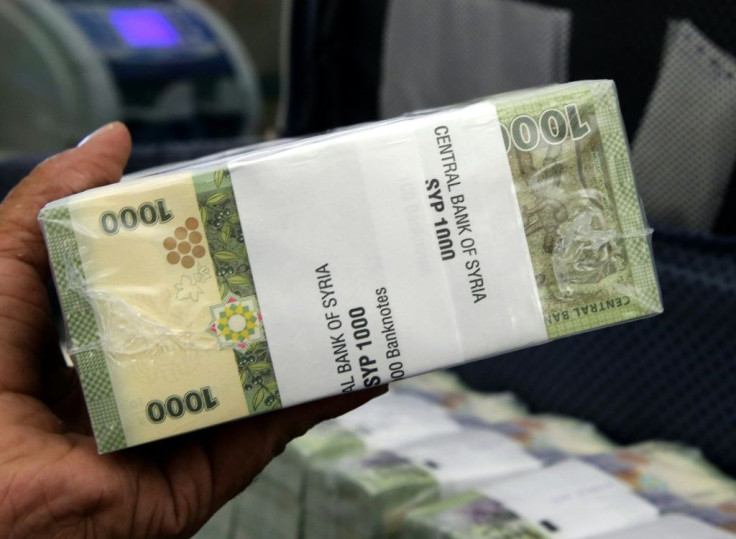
(236,323)
(219,215)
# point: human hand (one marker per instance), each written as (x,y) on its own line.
(52,481)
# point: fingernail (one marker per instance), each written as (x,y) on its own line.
(97,132)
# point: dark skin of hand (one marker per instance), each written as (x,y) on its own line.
(52,481)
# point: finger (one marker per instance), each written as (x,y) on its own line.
(99,160)
(61,391)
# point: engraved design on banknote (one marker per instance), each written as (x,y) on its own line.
(188,289)
(569,159)
(224,235)
(568,213)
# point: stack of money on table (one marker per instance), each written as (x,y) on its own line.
(368,495)
(627,489)
(412,411)
(403,466)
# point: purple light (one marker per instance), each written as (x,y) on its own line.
(142,28)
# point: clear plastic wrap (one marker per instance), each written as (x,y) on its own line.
(267,277)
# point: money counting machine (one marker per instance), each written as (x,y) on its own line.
(172,69)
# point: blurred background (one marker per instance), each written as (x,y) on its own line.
(192,77)
(189,70)
(258,24)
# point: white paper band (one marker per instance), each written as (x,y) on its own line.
(347,233)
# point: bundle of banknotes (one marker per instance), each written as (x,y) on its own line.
(675,478)
(416,464)
(620,489)
(414,410)
(370,495)
(249,281)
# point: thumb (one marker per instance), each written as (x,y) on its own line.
(98,160)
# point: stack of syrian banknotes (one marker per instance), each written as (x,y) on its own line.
(432,459)
(422,408)
(522,218)
(623,492)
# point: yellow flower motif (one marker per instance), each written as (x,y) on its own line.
(236,322)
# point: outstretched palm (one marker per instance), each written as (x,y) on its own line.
(52,481)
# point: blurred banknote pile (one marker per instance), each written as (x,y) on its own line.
(433,459)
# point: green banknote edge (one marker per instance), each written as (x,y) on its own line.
(84,333)
(224,232)
(631,213)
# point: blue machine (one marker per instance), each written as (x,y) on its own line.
(171,69)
